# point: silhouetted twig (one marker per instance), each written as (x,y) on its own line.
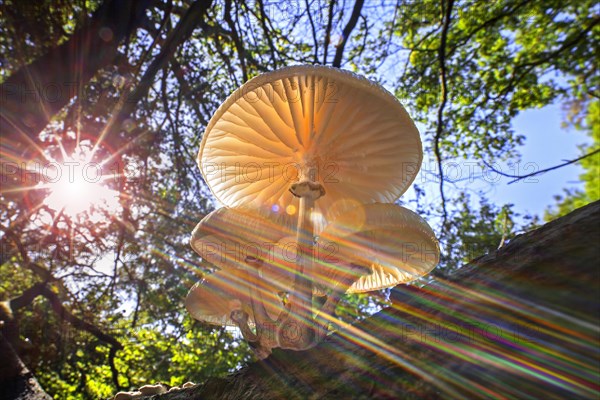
(520,177)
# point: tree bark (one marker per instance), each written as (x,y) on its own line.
(16,381)
(522,322)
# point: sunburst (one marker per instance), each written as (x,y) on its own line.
(76,185)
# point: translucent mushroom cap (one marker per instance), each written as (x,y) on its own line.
(395,243)
(227,236)
(206,302)
(358,137)
(214,298)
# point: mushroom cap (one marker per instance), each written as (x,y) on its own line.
(227,236)
(206,301)
(396,243)
(357,135)
(212,299)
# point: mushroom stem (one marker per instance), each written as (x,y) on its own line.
(302,294)
(266,337)
(241,319)
(300,317)
(261,315)
(261,347)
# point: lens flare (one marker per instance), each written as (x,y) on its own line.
(74,195)
(76,185)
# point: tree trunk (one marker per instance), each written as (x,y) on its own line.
(16,381)
(522,322)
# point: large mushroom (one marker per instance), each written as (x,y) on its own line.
(310,140)
(312,123)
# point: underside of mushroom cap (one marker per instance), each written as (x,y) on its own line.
(228,236)
(214,298)
(207,303)
(395,243)
(357,138)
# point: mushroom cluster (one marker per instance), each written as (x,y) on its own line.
(308,162)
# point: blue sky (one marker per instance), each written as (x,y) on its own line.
(547,144)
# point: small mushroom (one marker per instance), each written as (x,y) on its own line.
(148,390)
(236,239)
(395,245)
(228,237)
(237,297)
(213,299)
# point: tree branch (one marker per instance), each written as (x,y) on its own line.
(113,368)
(27,296)
(328,31)
(181,33)
(314,32)
(263,23)
(188,92)
(236,39)
(542,171)
(77,322)
(492,21)
(337,60)
(446,15)
(521,70)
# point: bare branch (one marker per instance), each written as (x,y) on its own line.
(542,171)
(314,32)
(236,39)
(268,37)
(188,91)
(446,15)
(157,35)
(328,31)
(337,60)
(226,59)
